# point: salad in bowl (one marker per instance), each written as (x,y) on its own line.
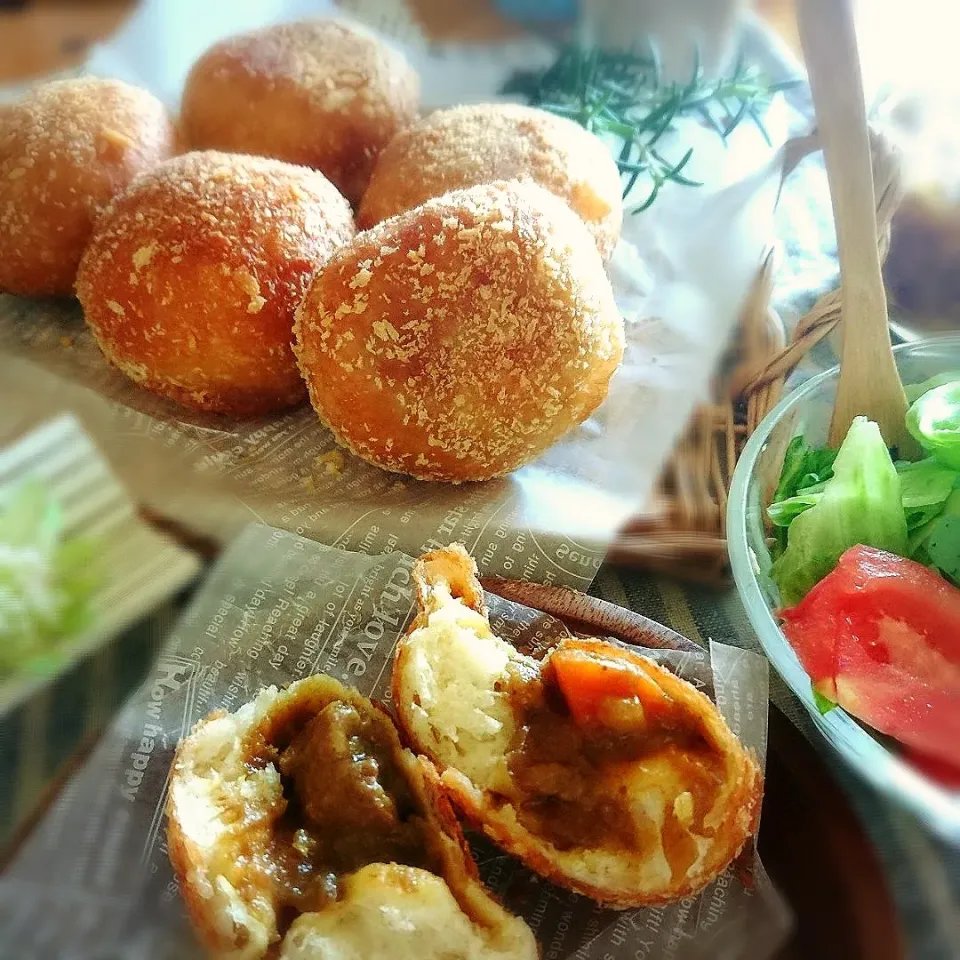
(848,562)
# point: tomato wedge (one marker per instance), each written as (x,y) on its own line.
(587,679)
(880,635)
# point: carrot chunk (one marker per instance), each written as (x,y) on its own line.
(587,680)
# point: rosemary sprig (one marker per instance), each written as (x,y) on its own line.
(625,95)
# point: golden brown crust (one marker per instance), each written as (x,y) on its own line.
(484,815)
(320,93)
(743,803)
(65,150)
(193,275)
(470,145)
(451,572)
(453,567)
(459,340)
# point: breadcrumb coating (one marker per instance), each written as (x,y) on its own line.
(466,146)
(65,150)
(318,92)
(459,340)
(191,281)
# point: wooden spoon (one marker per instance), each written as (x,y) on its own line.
(869,382)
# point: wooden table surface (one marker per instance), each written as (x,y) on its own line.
(39,37)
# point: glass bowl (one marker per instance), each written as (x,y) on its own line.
(807,411)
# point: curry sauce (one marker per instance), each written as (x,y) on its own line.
(572,777)
(347,802)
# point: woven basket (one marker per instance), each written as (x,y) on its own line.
(683,533)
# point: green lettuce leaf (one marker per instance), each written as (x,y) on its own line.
(804,470)
(924,488)
(824,704)
(915,391)
(860,504)
(782,514)
(934,421)
(803,466)
(47,581)
(937,543)
(925,483)
(943,547)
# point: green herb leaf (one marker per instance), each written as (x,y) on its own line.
(624,95)
(824,704)
(934,420)
(860,504)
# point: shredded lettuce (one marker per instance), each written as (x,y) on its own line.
(859,504)
(47,581)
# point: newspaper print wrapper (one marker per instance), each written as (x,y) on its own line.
(681,274)
(93,881)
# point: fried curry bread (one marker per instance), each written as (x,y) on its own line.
(461,339)
(300,827)
(599,769)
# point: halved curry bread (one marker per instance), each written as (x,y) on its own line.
(299,827)
(601,770)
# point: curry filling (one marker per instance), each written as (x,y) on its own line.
(589,727)
(347,802)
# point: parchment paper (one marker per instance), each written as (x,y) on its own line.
(680,274)
(94,880)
